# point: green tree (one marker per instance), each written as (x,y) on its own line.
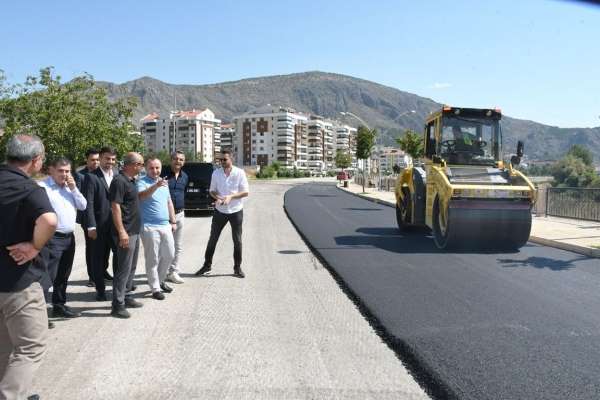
(68,117)
(411,143)
(582,153)
(571,171)
(365,140)
(343,159)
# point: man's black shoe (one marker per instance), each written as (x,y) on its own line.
(132,303)
(237,272)
(204,270)
(158,295)
(50,325)
(62,310)
(34,397)
(90,284)
(119,311)
(166,288)
(101,297)
(107,276)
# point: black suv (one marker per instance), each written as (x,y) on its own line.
(196,192)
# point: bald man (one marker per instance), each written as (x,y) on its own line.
(123,196)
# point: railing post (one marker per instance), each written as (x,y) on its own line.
(547,204)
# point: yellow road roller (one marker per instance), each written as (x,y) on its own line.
(464,191)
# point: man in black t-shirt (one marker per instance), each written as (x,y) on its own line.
(123,196)
(28,222)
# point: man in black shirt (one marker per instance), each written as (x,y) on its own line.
(126,227)
(28,222)
(178,181)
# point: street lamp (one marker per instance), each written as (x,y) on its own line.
(362,121)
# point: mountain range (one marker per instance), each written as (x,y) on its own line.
(327,94)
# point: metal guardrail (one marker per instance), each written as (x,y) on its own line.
(578,203)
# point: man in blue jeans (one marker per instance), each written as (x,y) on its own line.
(228,186)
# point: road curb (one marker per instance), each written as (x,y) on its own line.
(366,197)
(586,251)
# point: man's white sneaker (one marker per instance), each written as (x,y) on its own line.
(174,277)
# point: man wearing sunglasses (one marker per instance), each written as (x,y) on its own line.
(228,186)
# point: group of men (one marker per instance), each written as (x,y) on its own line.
(116,211)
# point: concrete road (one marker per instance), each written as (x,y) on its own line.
(521,325)
(287,331)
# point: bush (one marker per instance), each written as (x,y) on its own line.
(307,174)
(298,173)
(266,172)
(331,173)
(284,173)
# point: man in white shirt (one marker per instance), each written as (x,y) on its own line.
(228,186)
(66,199)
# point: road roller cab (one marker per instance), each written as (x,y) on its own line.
(464,191)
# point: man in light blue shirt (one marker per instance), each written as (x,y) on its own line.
(158,220)
(66,199)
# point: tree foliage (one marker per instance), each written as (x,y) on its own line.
(365,140)
(69,117)
(343,159)
(572,171)
(411,143)
(582,153)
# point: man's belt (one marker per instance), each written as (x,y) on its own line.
(63,235)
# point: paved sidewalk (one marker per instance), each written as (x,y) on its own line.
(578,236)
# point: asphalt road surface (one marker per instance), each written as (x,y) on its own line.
(287,331)
(519,325)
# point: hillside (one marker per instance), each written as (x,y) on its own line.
(328,94)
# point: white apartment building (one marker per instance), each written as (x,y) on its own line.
(345,140)
(321,144)
(387,157)
(270,134)
(155,132)
(194,131)
(227,134)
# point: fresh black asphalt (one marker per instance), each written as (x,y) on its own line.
(518,325)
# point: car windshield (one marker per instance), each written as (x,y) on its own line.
(470,141)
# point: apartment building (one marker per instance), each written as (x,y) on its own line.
(155,131)
(321,144)
(195,132)
(345,140)
(270,134)
(387,157)
(227,135)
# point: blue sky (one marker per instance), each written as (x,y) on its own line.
(536,59)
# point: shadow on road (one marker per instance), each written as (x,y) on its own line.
(541,263)
(416,241)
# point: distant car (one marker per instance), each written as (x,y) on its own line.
(343,176)
(197,196)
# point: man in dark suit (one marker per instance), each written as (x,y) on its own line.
(98,217)
(92,161)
